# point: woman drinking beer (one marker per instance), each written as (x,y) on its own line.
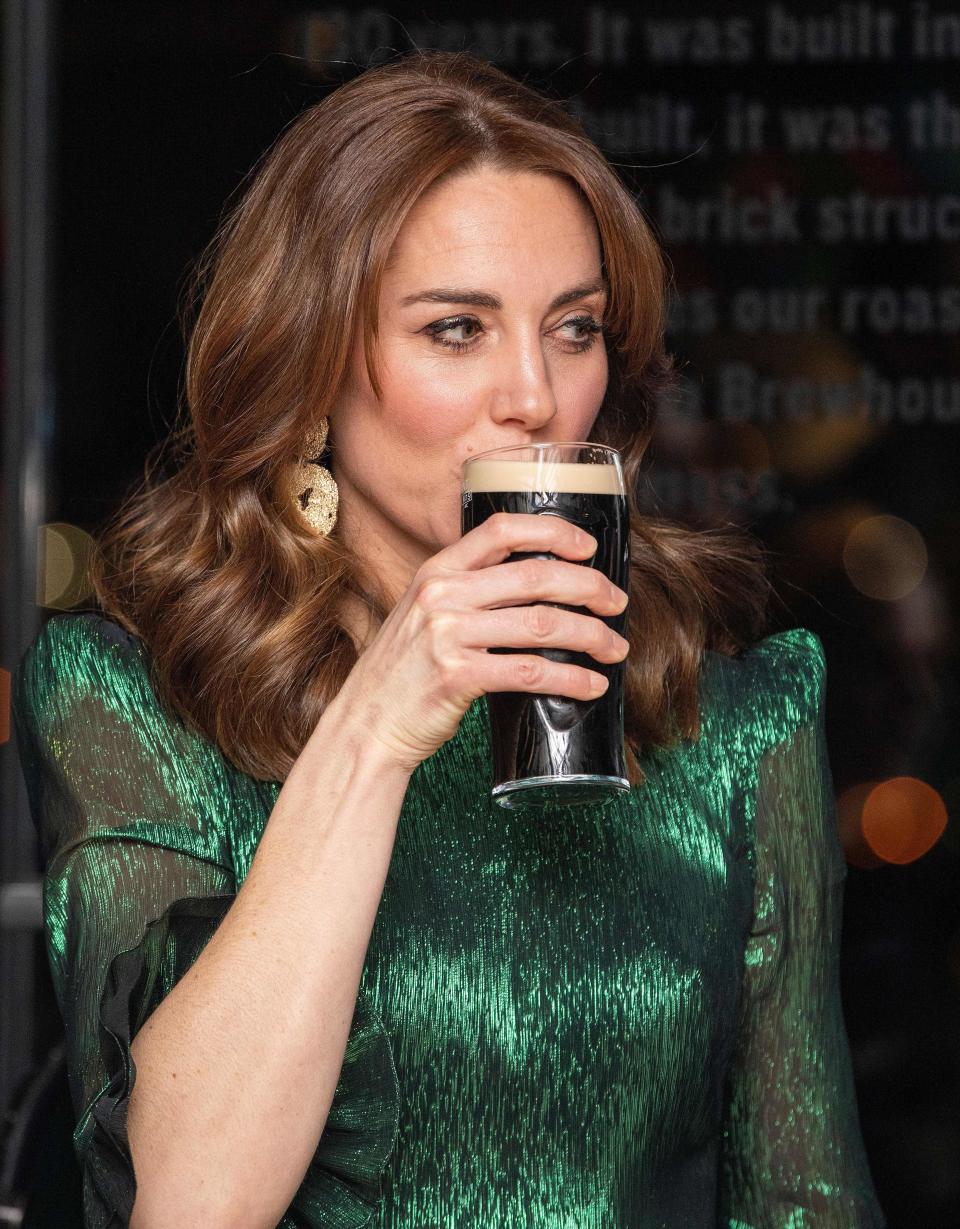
(311,974)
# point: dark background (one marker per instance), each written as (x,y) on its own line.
(159,110)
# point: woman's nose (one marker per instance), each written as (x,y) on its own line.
(524,388)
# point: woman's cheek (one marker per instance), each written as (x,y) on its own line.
(437,408)
(428,395)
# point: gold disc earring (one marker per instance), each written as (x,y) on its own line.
(313,487)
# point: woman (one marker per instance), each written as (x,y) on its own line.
(311,975)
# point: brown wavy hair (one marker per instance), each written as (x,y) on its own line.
(210,563)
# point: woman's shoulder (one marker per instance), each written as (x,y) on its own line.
(84,670)
(67,634)
(794,654)
(773,686)
(73,652)
(101,752)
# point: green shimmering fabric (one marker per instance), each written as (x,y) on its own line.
(620,1017)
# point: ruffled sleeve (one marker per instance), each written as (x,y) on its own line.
(793,1153)
(133,812)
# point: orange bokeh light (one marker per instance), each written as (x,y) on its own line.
(902,818)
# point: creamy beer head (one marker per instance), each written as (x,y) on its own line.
(561,477)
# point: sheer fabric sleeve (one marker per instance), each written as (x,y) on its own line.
(135,880)
(793,1154)
(139,822)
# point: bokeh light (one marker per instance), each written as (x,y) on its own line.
(63,578)
(809,446)
(885,557)
(902,819)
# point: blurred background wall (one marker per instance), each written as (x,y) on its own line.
(801,165)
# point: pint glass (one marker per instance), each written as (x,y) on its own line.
(549,749)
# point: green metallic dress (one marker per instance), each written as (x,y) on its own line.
(619,1017)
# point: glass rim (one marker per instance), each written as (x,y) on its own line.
(492,452)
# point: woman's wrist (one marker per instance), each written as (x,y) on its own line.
(351,726)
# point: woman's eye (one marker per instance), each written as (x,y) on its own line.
(593,329)
(440,327)
(574,329)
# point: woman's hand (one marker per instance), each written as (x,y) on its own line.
(428,662)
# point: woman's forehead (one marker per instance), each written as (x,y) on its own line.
(473,225)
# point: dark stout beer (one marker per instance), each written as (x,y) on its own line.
(547,748)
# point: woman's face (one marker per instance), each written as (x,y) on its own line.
(492,358)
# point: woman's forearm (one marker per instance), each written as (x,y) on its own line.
(237,1066)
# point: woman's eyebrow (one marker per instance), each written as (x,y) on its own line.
(483,298)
